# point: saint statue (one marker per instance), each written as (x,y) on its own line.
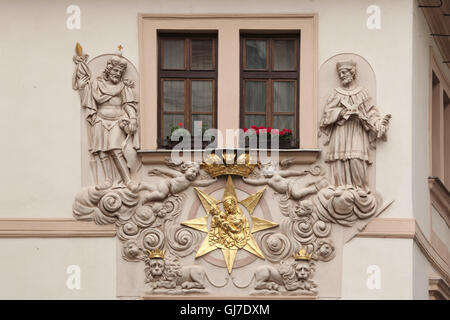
(351,124)
(229,228)
(112,117)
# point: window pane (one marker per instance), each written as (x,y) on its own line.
(283,122)
(283,96)
(255,120)
(202,58)
(173,51)
(255,54)
(171,120)
(284,55)
(173,99)
(202,95)
(204,119)
(255,96)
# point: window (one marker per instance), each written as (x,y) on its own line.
(269,81)
(226,31)
(187,82)
(439,143)
(440,131)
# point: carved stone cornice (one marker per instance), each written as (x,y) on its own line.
(438,289)
(53,228)
(300,156)
(408,229)
(440,198)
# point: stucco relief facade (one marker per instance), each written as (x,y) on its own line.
(285,239)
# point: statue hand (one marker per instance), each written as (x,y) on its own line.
(82,82)
(132,126)
(381,131)
(129,83)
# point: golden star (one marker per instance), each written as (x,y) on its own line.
(229,230)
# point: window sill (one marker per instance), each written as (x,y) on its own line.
(300,156)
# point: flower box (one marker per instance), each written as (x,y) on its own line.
(285,137)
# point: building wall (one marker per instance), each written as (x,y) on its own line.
(42,171)
(391,258)
(38,268)
(428,220)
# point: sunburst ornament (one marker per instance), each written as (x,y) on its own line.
(229,230)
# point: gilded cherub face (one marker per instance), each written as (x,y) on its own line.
(214,211)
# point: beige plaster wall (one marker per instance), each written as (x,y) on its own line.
(393,258)
(420,276)
(41,170)
(36,268)
(45,154)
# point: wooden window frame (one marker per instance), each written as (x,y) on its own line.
(187,75)
(228,28)
(270,76)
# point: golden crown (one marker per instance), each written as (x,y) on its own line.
(302,255)
(215,166)
(156,254)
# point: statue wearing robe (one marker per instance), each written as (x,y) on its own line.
(351,124)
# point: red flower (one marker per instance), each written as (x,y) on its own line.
(269,129)
(261,127)
(180,124)
(254,127)
(245,129)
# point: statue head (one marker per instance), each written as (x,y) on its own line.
(157,267)
(293,272)
(159,209)
(268,169)
(303,208)
(131,249)
(346,71)
(325,250)
(230,204)
(190,170)
(303,270)
(214,211)
(115,67)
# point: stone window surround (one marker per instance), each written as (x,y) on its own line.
(228,28)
